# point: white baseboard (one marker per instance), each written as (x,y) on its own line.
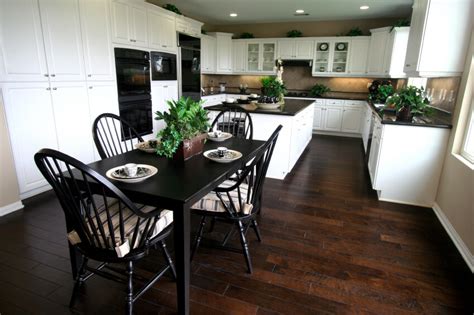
(338,134)
(35,192)
(410,203)
(11,208)
(461,246)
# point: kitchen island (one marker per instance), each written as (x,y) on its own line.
(296,117)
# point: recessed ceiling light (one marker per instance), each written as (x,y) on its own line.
(299,11)
(364,7)
(233,15)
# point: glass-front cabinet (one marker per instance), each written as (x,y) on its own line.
(331,56)
(261,56)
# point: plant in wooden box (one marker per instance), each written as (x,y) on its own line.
(273,89)
(185,132)
(408,102)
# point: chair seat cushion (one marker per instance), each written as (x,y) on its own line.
(212,203)
(130,222)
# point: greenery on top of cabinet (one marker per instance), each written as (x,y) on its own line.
(246,35)
(294,33)
(172,8)
(355,31)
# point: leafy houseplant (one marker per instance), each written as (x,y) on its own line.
(409,102)
(246,35)
(319,90)
(400,23)
(172,8)
(383,92)
(294,33)
(273,87)
(186,124)
(355,31)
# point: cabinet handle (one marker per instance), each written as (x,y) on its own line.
(47,89)
(89,75)
(133,40)
(407,65)
(164,46)
(90,87)
(54,88)
(46,75)
(165,86)
(53,75)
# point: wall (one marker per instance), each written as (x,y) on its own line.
(455,197)
(9,192)
(315,28)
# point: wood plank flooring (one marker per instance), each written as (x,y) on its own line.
(329,247)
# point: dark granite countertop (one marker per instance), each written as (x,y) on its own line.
(291,108)
(330,95)
(438,119)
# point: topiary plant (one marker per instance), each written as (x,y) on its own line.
(184,120)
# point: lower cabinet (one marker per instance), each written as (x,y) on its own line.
(338,115)
(351,120)
(161,92)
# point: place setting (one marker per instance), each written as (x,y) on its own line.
(222,155)
(218,135)
(131,172)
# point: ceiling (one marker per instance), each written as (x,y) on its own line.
(264,11)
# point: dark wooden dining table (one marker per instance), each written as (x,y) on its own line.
(177,186)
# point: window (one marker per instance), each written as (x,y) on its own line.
(467,150)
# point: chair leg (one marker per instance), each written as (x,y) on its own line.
(257,230)
(79,282)
(213,223)
(245,246)
(168,258)
(198,237)
(228,235)
(129,297)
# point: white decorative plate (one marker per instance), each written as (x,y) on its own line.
(144,172)
(224,136)
(229,156)
(268,105)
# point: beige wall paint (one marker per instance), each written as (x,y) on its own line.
(9,192)
(315,28)
(455,194)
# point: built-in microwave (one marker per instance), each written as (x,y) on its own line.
(163,66)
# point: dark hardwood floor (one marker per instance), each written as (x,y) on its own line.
(328,247)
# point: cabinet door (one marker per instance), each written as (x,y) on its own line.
(102,98)
(138,24)
(268,57)
(321,64)
(318,118)
(286,49)
(160,94)
(168,34)
(304,49)
(253,55)
(340,56)
(358,56)
(72,119)
(121,23)
(31,125)
(238,56)
(22,56)
(95,25)
(333,119)
(208,54)
(161,32)
(416,35)
(378,44)
(224,54)
(351,120)
(63,40)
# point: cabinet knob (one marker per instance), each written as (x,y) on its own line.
(53,75)
(90,87)
(89,75)
(407,65)
(46,75)
(54,88)
(164,46)
(47,89)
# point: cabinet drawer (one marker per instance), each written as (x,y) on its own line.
(320,101)
(354,103)
(334,102)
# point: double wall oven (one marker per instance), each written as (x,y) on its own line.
(134,90)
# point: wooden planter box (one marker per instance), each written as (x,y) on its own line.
(190,147)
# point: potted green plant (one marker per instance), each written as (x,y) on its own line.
(380,96)
(172,8)
(355,31)
(294,33)
(409,102)
(246,35)
(319,90)
(185,132)
(273,87)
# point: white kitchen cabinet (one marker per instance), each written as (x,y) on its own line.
(30,119)
(208,54)
(96,36)
(261,56)
(62,39)
(351,120)
(102,98)
(331,56)
(188,26)
(377,134)
(296,48)
(22,56)
(223,52)
(358,55)
(129,24)
(72,119)
(161,92)
(366,122)
(332,118)
(238,56)
(439,37)
(318,117)
(301,134)
(338,116)
(395,52)
(161,31)
(378,45)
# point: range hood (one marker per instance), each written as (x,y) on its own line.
(297,63)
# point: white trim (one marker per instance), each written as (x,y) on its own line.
(337,134)
(379,193)
(461,246)
(17,205)
(35,192)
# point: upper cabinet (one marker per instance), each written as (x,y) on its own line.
(439,37)
(295,49)
(378,45)
(238,56)
(188,26)
(223,52)
(41,40)
(358,56)
(331,56)
(161,31)
(129,24)
(96,36)
(261,56)
(208,54)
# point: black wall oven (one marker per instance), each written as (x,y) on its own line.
(163,66)
(134,91)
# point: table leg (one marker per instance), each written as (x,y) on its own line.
(74,255)
(181,227)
